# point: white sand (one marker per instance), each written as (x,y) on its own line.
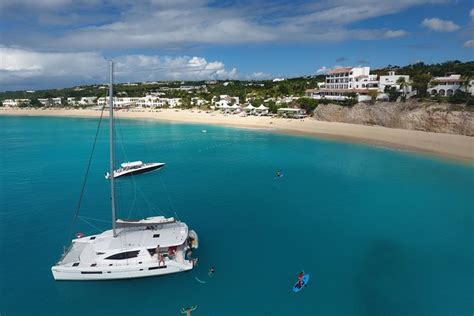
(452,146)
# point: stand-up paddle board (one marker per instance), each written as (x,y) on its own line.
(298,287)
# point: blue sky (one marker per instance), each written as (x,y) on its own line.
(58,43)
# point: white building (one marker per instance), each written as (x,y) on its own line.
(196,101)
(224,98)
(87,100)
(9,102)
(50,101)
(119,102)
(392,80)
(15,102)
(342,82)
(222,104)
(369,82)
(470,87)
(446,86)
(173,102)
(151,101)
(72,101)
(278,79)
(345,78)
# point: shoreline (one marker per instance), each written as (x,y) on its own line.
(451,146)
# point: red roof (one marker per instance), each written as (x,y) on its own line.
(340,70)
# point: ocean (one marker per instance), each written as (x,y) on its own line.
(380,231)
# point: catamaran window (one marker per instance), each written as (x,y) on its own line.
(124,255)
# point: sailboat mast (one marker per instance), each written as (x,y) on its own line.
(111,144)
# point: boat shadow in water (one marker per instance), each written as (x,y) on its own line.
(385,283)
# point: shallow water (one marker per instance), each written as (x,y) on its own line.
(381,232)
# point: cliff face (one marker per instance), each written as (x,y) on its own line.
(430,117)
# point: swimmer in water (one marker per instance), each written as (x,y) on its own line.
(211,272)
(188,310)
(278,174)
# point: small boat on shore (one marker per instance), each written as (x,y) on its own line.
(135,167)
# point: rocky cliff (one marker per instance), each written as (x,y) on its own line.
(423,116)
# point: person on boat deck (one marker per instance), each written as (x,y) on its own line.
(189,256)
(160,257)
(190,242)
(188,310)
(300,278)
(172,251)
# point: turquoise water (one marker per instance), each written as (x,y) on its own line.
(381,232)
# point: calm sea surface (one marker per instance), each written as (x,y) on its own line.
(381,232)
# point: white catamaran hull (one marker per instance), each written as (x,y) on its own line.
(114,273)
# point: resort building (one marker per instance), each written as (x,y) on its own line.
(400,82)
(72,101)
(15,102)
(342,83)
(346,77)
(88,100)
(196,101)
(50,101)
(446,86)
(225,99)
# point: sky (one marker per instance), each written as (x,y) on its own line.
(63,43)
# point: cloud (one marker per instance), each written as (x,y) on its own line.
(363,62)
(342,58)
(439,25)
(180,24)
(258,76)
(469,43)
(22,69)
(395,33)
(471,14)
(322,70)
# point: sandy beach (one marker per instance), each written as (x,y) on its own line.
(457,147)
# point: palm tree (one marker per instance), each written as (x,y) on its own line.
(403,85)
(464,84)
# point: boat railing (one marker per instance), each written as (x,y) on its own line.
(66,250)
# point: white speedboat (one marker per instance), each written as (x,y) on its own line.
(132,248)
(135,167)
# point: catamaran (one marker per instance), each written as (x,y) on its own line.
(132,248)
(135,167)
